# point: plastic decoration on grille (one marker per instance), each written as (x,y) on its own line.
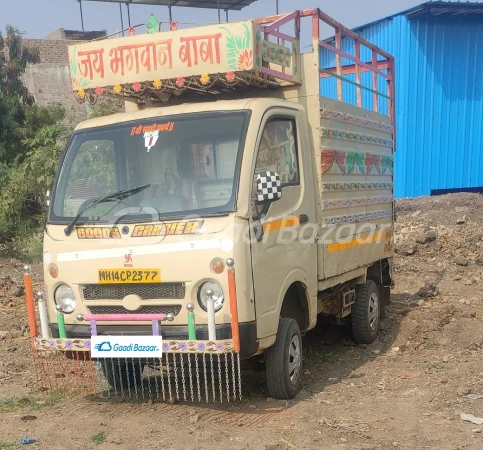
(189,370)
(268,187)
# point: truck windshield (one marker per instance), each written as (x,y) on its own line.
(190,162)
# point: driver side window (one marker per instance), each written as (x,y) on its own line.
(278,153)
(93,174)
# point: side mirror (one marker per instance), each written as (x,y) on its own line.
(269,187)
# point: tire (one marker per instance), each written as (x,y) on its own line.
(284,361)
(125,374)
(366,313)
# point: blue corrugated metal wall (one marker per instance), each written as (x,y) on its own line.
(439,94)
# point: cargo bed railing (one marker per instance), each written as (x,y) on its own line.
(347,50)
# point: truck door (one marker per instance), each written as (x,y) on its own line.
(286,251)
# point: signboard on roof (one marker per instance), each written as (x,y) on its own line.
(166,55)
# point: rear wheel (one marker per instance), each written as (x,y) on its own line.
(123,375)
(284,361)
(366,312)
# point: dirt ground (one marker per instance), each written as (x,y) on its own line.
(405,391)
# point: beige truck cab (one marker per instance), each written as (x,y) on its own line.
(246,160)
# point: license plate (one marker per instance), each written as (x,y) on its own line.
(111,276)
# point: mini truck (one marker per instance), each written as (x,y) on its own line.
(234,146)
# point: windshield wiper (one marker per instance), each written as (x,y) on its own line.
(120,195)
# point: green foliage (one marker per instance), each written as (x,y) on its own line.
(14,96)
(99,438)
(24,185)
(106,107)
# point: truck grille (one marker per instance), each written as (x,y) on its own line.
(150,309)
(146,291)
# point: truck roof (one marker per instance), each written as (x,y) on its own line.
(220,105)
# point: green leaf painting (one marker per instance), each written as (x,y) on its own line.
(238,48)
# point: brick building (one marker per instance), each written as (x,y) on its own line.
(49,81)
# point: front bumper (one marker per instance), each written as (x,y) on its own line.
(248,333)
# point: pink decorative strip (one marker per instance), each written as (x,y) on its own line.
(280,22)
(124,317)
(337,51)
(358,121)
(277,74)
(282,35)
(357,202)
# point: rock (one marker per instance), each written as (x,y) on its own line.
(461,261)
(446,359)
(343,439)
(194,418)
(462,209)
(332,380)
(426,237)
(471,418)
(474,396)
(407,250)
(358,375)
(4,334)
(19,292)
(479,260)
(395,444)
(429,290)
(416,214)
(376,352)
(418,303)
(362,345)
(476,430)
(27,418)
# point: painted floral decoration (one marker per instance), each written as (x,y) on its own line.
(165,347)
(205,79)
(183,347)
(173,26)
(68,344)
(81,93)
(117,88)
(132,31)
(99,90)
(245,60)
(136,86)
(180,82)
(88,344)
(230,77)
(157,83)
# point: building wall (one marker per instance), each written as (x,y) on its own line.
(438,100)
(49,81)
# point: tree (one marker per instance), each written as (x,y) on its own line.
(14,96)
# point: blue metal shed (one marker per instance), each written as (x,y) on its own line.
(438,49)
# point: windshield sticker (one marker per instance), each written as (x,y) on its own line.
(98,233)
(150,139)
(151,132)
(168,127)
(173,228)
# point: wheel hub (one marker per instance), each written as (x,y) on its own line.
(373,312)
(294,360)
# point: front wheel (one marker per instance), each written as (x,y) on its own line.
(366,313)
(284,361)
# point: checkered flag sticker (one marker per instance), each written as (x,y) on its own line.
(269,187)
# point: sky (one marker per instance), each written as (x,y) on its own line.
(38,18)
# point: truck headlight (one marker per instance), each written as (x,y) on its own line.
(64,296)
(218,296)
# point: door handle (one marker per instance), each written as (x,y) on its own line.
(304,218)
